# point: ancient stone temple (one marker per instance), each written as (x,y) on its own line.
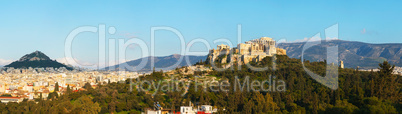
(254,50)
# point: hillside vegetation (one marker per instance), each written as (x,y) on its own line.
(358,92)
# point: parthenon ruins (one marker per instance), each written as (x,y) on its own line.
(253,50)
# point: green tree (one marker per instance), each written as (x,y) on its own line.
(56,86)
(270,105)
(40,96)
(374,106)
(258,103)
(387,84)
(6,95)
(342,107)
(53,95)
(68,89)
(86,106)
(87,86)
(248,107)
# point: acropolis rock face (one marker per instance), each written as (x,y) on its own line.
(253,50)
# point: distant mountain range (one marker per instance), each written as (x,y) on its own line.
(364,55)
(161,63)
(353,53)
(36,59)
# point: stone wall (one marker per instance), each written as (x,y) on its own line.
(254,50)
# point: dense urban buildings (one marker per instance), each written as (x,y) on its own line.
(35,82)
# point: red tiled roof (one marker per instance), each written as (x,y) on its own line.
(10,97)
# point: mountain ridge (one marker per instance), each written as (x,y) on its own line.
(36,59)
(353,53)
(161,63)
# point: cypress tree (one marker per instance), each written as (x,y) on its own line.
(56,88)
(40,96)
(68,89)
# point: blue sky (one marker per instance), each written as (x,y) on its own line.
(30,26)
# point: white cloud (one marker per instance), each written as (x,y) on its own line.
(363,31)
(333,38)
(5,62)
(299,40)
(308,39)
(74,62)
(368,32)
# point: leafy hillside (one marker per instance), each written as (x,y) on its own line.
(358,92)
(36,59)
(161,62)
(352,53)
